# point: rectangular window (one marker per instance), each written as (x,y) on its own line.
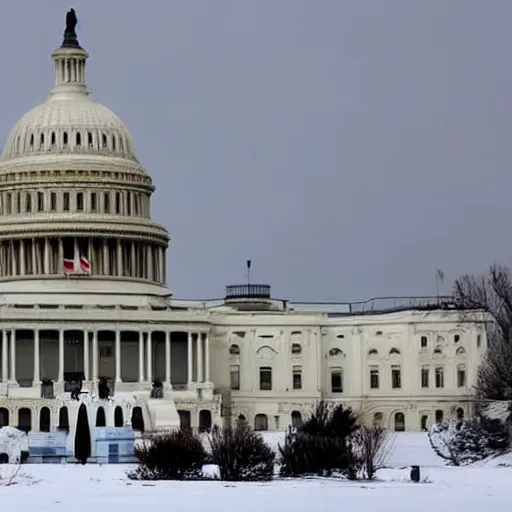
(53,201)
(9,203)
(129,203)
(65,201)
(235,377)
(18,203)
(80,202)
(337,381)
(374,378)
(40,201)
(396,381)
(425,374)
(265,379)
(94,202)
(106,201)
(28,203)
(423,341)
(439,378)
(461,376)
(297,377)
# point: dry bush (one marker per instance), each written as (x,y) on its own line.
(176,455)
(9,474)
(241,454)
(373,446)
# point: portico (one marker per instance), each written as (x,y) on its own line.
(130,357)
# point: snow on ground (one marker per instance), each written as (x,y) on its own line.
(105,488)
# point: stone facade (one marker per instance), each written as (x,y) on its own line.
(84,301)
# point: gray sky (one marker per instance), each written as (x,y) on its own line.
(349,148)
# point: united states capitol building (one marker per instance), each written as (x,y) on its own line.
(85,308)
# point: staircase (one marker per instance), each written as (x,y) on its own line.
(162,414)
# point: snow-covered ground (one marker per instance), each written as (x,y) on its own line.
(95,488)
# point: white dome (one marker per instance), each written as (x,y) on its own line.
(69,124)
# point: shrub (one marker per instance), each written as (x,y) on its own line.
(373,446)
(466,441)
(177,455)
(322,445)
(241,454)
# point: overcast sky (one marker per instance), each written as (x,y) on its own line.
(348,148)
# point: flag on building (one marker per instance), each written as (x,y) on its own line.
(85,265)
(69,265)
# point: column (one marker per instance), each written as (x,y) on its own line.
(13,355)
(86,355)
(141,356)
(118,356)
(207,358)
(161,277)
(5,376)
(22,257)
(61,356)
(168,357)
(60,260)
(46,256)
(190,377)
(95,356)
(105,257)
(199,357)
(119,258)
(149,357)
(37,377)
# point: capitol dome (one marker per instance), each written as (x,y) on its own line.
(75,204)
(69,122)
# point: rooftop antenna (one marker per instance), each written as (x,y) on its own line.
(248,272)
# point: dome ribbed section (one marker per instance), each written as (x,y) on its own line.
(69,126)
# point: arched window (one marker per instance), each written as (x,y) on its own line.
(31,141)
(439,416)
(101,420)
(424,422)
(53,139)
(41,141)
(373,352)
(377,419)
(118,417)
(65,139)
(394,351)
(44,420)
(4,417)
(205,420)
(25,419)
(260,422)
(460,413)
(296,348)
(78,139)
(460,351)
(63,419)
(438,350)
(114,142)
(104,141)
(399,422)
(234,350)
(89,139)
(137,419)
(296,419)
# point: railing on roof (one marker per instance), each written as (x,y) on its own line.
(248,291)
(379,305)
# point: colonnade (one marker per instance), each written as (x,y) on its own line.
(145,355)
(107,257)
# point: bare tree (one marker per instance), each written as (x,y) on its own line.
(373,447)
(492,295)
